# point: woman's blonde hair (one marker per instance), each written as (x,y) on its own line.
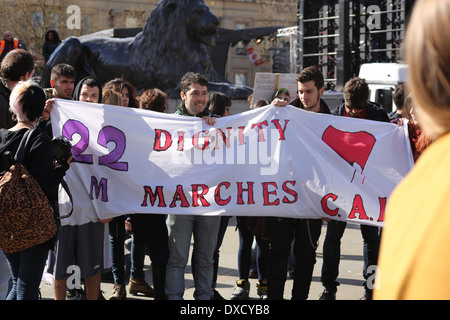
(112,97)
(27,101)
(427,47)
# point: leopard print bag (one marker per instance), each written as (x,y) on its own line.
(26,216)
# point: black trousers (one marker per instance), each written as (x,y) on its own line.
(305,233)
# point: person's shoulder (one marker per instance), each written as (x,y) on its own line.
(374,106)
(4,91)
(338,111)
(324,107)
(4,104)
(39,136)
(376,112)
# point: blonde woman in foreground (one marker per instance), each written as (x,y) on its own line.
(414,260)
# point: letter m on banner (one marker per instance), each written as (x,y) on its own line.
(97,187)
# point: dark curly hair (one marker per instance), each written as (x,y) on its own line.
(190,78)
(153,99)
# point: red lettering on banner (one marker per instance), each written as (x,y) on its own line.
(289,191)
(179,196)
(382,208)
(152,195)
(225,139)
(241,136)
(249,191)
(180,141)
(267,193)
(157,145)
(196,195)
(276,122)
(325,207)
(163,138)
(219,200)
(260,132)
(199,192)
(358,207)
(196,137)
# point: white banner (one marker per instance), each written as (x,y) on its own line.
(271,161)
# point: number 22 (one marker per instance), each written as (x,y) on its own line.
(106,135)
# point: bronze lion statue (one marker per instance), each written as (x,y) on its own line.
(176,39)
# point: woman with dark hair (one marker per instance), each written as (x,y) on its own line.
(27,102)
(52,41)
(127,91)
(219,104)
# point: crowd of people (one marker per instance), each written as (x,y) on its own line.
(411,252)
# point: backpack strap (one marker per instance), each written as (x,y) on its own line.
(66,188)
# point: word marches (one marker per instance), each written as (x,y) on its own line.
(240,309)
(272,195)
(244,195)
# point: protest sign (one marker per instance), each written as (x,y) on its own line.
(271,161)
(266,84)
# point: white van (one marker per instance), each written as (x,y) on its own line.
(383,79)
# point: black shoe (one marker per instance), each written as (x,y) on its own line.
(241,290)
(327,295)
(217,296)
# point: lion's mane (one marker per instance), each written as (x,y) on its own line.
(166,48)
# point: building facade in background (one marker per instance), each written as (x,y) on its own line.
(29,20)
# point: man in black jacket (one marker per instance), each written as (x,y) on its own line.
(302,233)
(311,87)
(18,65)
(356,102)
(356,105)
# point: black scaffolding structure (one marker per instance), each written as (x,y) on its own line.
(338,36)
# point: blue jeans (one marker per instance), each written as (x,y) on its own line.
(5,277)
(27,267)
(222,229)
(205,230)
(116,247)
(332,252)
